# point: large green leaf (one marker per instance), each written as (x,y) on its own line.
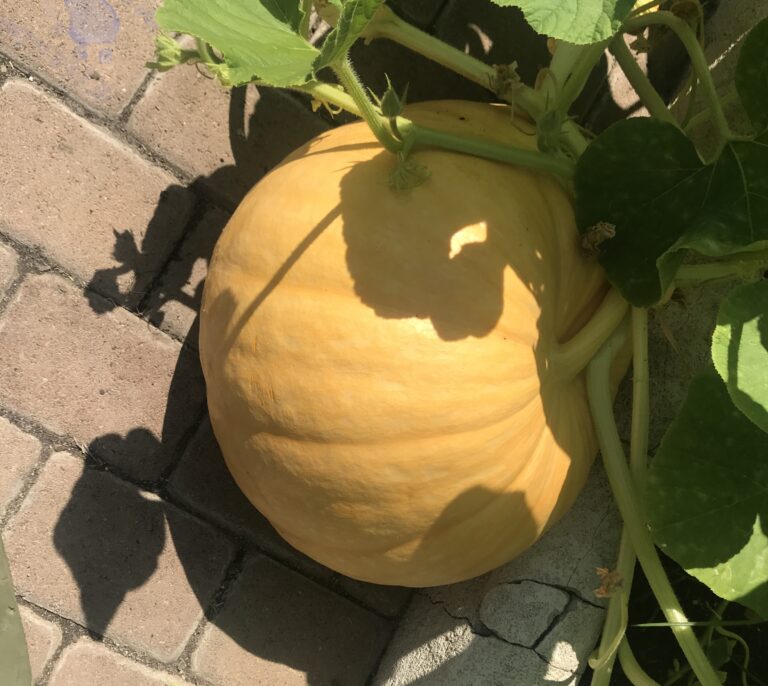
(575,21)
(633,176)
(258,39)
(14,660)
(645,178)
(752,75)
(354,17)
(707,495)
(740,349)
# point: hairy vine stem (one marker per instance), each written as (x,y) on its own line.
(632,669)
(572,356)
(628,501)
(415,135)
(744,265)
(625,564)
(649,96)
(386,24)
(584,57)
(698,60)
(346,75)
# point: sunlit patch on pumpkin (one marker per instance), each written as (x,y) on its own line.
(476,233)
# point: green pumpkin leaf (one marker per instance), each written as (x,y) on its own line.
(354,17)
(287,11)
(645,178)
(257,39)
(14,659)
(734,217)
(633,177)
(720,651)
(707,495)
(576,21)
(752,75)
(740,349)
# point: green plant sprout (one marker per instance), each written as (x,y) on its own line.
(676,219)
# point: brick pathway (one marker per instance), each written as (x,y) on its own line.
(136,560)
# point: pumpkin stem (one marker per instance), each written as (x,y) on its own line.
(569,359)
(415,136)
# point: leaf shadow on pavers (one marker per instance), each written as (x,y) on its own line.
(112,544)
(139,259)
(126,554)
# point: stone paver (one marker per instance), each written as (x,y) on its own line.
(113,558)
(202,482)
(91,664)
(563,558)
(9,265)
(89,202)
(18,456)
(43,639)
(93,49)
(521,613)
(279,629)
(112,382)
(229,140)
(175,302)
(432,648)
(575,635)
(442,619)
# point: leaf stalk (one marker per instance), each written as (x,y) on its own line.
(745,265)
(649,96)
(348,78)
(625,493)
(386,24)
(638,461)
(573,356)
(698,60)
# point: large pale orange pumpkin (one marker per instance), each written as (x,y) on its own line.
(382,365)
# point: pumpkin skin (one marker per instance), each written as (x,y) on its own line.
(379,363)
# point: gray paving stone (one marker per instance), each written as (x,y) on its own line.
(103,553)
(87,201)
(432,648)
(520,613)
(573,638)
